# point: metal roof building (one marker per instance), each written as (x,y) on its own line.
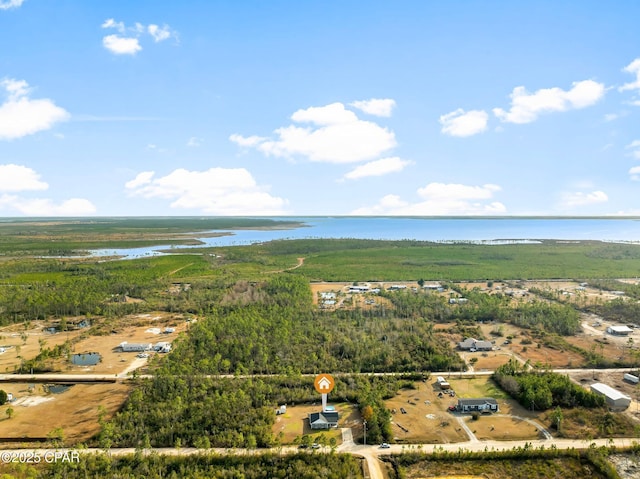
(615,399)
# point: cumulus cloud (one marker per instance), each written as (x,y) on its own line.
(127,40)
(439,199)
(218,191)
(21,116)
(143,178)
(121,45)
(526,107)
(578,198)
(111,23)
(335,135)
(159,33)
(634,69)
(634,173)
(247,141)
(461,123)
(380,167)
(19,178)
(375,106)
(46,207)
(7,4)
(634,146)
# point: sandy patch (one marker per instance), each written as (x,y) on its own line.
(32,401)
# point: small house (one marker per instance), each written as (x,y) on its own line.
(477,405)
(324,419)
(631,378)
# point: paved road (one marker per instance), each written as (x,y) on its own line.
(370,453)
(126,375)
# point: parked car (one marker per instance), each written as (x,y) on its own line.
(315,445)
(452,408)
(384,445)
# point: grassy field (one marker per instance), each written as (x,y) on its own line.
(368,260)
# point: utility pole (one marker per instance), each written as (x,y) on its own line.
(364,422)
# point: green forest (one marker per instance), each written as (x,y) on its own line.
(209,466)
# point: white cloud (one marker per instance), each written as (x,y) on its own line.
(375,106)
(121,45)
(526,107)
(21,116)
(634,69)
(127,40)
(19,178)
(461,123)
(332,114)
(380,167)
(46,207)
(218,191)
(111,23)
(610,117)
(441,199)
(575,199)
(194,142)
(143,178)
(338,136)
(634,146)
(247,141)
(7,4)
(634,173)
(455,191)
(159,33)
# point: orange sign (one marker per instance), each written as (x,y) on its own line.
(324,383)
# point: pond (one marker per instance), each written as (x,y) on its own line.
(86,359)
(58,388)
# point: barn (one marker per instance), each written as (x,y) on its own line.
(615,399)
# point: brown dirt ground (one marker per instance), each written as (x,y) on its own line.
(114,360)
(489,427)
(132,329)
(75,410)
(423,429)
(10,338)
(294,422)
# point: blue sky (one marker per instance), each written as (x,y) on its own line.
(319,108)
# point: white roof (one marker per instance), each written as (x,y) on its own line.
(621,329)
(608,391)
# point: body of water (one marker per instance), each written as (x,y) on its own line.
(496,230)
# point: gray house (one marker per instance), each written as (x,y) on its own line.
(477,404)
(324,419)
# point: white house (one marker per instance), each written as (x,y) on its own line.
(135,347)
